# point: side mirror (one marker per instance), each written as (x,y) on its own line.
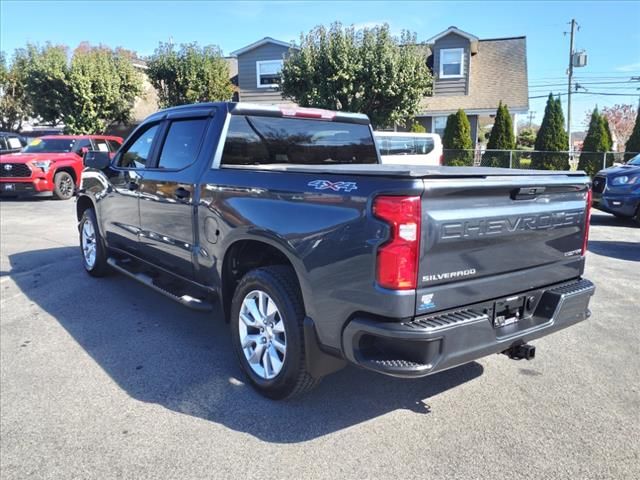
(83,151)
(96,159)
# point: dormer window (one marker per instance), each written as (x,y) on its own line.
(268,73)
(451,62)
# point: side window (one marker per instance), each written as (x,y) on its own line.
(136,155)
(113,145)
(80,144)
(100,144)
(182,144)
(3,144)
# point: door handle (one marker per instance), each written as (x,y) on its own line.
(182,193)
(133,186)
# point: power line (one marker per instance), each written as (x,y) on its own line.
(589,93)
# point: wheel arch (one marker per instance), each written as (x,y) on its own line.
(245,254)
(70,170)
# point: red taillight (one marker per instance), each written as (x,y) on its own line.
(442,159)
(308,113)
(397,266)
(587,222)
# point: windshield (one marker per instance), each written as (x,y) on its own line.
(635,160)
(50,145)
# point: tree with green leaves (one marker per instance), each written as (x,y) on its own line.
(46,81)
(633,144)
(526,138)
(417,128)
(13,100)
(551,138)
(103,85)
(501,138)
(367,71)
(596,142)
(456,142)
(190,74)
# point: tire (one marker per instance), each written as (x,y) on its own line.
(92,249)
(284,326)
(63,186)
(636,216)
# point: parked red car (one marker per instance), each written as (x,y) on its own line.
(50,164)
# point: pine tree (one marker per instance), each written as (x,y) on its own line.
(595,144)
(551,138)
(633,144)
(456,141)
(501,138)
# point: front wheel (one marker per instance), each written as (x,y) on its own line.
(636,216)
(267,315)
(94,255)
(63,186)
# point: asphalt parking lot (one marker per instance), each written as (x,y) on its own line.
(107,379)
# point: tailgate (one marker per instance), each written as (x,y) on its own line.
(491,237)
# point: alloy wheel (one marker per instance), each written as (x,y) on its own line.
(262,334)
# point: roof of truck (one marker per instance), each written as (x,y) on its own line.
(244,108)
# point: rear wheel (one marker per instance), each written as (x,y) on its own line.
(267,315)
(63,186)
(94,255)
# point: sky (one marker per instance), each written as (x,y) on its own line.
(608,32)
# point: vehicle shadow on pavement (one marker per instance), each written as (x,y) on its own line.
(614,249)
(599,218)
(158,351)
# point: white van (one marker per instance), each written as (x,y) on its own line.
(408,148)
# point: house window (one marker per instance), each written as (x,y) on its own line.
(438,125)
(451,62)
(268,73)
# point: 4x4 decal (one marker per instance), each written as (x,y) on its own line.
(335,186)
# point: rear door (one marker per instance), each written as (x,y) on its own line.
(493,236)
(167,194)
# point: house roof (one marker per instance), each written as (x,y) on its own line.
(259,43)
(498,72)
(472,38)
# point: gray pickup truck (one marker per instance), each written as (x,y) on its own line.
(320,256)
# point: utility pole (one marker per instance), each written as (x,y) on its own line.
(531,114)
(573,28)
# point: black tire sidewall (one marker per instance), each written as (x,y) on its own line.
(263,279)
(57,178)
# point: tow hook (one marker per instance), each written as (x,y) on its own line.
(518,352)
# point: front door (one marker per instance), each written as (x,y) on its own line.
(119,207)
(167,191)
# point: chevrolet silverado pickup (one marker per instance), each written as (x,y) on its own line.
(50,164)
(320,256)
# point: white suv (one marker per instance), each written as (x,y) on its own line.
(408,148)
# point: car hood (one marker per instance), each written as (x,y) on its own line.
(21,157)
(620,170)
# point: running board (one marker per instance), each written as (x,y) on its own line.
(184,299)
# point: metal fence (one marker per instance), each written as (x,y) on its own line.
(591,162)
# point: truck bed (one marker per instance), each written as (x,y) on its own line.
(413,171)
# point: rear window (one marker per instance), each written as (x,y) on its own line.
(255,140)
(393,145)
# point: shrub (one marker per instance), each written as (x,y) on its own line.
(457,142)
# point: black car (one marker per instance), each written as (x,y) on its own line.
(11,142)
(616,190)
